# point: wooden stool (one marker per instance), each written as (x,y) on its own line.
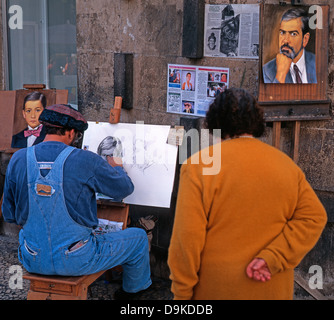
(59,288)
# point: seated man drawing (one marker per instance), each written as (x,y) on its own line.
(58,221)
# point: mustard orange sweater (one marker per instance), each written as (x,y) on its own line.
(258,205)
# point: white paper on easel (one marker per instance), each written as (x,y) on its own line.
(149,161)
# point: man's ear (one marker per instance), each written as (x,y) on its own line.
(306,38)
(23,113)
(72,133)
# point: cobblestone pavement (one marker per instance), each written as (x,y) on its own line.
(100,289)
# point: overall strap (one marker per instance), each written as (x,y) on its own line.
(33,168)
(56,173)
(32,165)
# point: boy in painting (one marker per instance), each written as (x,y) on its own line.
(33,105)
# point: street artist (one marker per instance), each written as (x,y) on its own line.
(50,191)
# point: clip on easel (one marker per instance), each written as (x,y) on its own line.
(115,113)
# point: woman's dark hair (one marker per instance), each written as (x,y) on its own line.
(235,112)
(34,96)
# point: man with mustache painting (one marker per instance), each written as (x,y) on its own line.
(293,64)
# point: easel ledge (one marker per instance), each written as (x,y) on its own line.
(113,211)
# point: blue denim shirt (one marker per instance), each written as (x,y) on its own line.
(85,173)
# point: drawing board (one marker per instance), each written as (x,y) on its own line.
(147,158)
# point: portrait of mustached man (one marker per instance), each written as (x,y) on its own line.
(293,63)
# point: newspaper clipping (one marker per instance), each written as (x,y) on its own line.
(191,89)
(232,31)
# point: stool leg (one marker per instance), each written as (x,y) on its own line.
(32,295)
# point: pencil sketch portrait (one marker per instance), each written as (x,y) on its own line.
(110,146)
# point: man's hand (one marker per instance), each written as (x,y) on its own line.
(115,161)
(258,270)
(283,64)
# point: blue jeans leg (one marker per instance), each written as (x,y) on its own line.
(129,248)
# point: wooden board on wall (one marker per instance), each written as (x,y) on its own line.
(298,101)
(7,111)
(11,105)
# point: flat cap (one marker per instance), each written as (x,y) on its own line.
(63,116)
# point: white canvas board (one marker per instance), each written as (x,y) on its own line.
(147,158)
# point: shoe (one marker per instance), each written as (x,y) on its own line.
(120,294)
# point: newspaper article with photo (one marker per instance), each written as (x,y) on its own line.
(232,30)
(191,89)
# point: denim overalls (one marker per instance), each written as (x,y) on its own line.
(49,233)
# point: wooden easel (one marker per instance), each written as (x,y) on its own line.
(295,143)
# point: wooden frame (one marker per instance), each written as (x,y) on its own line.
(292,102)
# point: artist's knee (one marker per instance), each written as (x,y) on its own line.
(142,235)
(137,232)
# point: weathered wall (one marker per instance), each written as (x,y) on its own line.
(152,31)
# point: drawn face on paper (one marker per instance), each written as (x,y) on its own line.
(110,147)
(291,38)
(31,113)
